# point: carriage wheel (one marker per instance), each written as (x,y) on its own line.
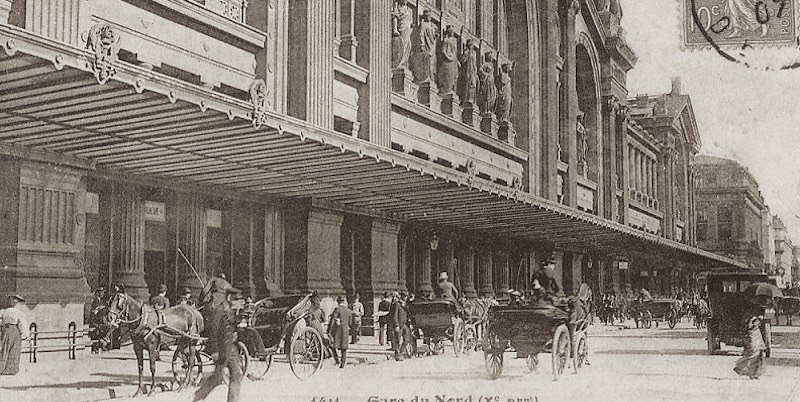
(560,352)
(459,338)
(258,367)
(494,364)
(305,353)
(581,351)
(532,361)
(180,366)
(470,339)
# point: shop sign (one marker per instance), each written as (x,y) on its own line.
(92,203)
(213,218)
(623,264)
(155,211)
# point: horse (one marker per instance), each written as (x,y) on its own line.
(150,328)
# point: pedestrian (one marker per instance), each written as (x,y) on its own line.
(215,306)
(186,297)
(342,320)
(160,301)
(751,363)
(398,319)
(14,326)
(547,280)
(316,318)
(98,309)
(223,335)
(358,313)
(383,311)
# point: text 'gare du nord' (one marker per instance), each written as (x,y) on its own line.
(363,153)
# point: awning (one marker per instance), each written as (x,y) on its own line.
(148,124)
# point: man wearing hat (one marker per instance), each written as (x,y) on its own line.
(383,311)
(14,329)
(186,297)
(447,290)
(398,320)
(342,319)
(160,301)
(546,278)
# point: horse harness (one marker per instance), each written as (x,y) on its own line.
(160,326)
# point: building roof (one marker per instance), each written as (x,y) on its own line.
(712,160)
(667,109)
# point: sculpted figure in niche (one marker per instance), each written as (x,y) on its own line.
(503,108)
(468,85)
(448,63)
(402,20)
(583,145)
(423,48)
(487,91)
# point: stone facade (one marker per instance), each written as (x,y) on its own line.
(543,113)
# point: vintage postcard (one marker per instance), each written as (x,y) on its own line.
(399,200)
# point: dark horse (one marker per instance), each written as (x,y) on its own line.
(150,328)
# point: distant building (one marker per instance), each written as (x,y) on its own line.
(729,209)
(768,239)
(784,254)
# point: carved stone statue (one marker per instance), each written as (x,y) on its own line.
(487,91)
(103,40)
(448,62)
(423,48)
(503,107)
(402,20)
(583,145)
(468,81)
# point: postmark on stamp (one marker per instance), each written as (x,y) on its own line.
(740,23)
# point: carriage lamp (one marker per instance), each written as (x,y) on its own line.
(434,241)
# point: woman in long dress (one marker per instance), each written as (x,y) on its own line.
(13,329)
(751,363)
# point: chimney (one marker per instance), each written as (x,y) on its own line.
(676,86)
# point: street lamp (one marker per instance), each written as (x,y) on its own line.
(434,241)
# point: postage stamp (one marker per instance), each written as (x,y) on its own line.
(739,23)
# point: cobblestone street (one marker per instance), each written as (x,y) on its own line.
(626,364)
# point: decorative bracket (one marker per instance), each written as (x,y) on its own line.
(258,96)
(103,40)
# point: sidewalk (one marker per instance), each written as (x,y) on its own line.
(114,374)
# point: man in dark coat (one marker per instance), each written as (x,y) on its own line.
(160,301)
(383,311)
(215,307)
(398,320)
(342,319)
(227,354)
(546,278)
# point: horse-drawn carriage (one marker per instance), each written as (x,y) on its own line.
(655,311)
(530,330)
(268,327)
(438,321)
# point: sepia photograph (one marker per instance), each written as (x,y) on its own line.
(399,200)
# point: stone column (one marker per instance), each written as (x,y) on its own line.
(324,252)
(570,103)
(610,111)
(445,255)
(466,267)
(402,261)
(242,249)
(485,271)
(311,34)
(192,241)
(424,287)
(380,75)
(501,271)
(128,241)
(622,144)
(550,118)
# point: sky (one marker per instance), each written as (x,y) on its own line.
(744,114)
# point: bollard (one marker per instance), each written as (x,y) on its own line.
(71,340)
(32,341)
